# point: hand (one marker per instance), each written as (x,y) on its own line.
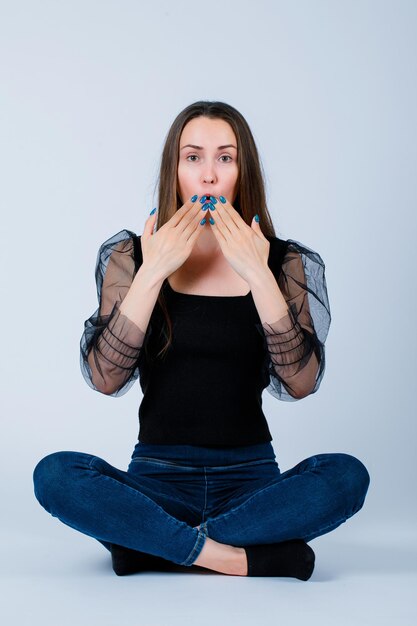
(170,246)
(245,247)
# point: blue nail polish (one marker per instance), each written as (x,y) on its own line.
(194,198)
(202,199)
(222,199)
(212,208)
(153,211)
(213,199)
(203,221)
(256,218)
(211,220)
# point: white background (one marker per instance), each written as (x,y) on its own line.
(88,92)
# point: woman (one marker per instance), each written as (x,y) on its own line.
(207,312)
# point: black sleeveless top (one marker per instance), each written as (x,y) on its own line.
(207,388)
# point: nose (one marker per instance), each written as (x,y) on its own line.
(209,175)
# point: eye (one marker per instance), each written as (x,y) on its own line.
(225,156)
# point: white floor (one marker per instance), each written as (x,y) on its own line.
(362,577)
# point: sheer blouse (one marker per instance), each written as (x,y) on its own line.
(294,347)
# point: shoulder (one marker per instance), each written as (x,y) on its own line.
(120,240)
(278,245)
(125,242)
(283,250)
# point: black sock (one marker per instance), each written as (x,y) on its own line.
(293,558)
(127,561)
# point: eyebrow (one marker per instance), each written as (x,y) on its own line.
(190,145)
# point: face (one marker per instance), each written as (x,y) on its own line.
(205,167)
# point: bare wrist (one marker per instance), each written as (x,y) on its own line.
(150,276)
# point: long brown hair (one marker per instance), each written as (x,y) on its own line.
(250,198)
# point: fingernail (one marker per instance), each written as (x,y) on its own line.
(194,198)
(256,218)
(211,220)
(153,211)
(203,221)
(222,199)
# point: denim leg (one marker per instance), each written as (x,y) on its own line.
(90,495)
(311,499)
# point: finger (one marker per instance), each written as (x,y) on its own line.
(150,223)
(220,231)
(192,222)
(182,212)
(219,216)
(198,229)
(256,226)
(230,216)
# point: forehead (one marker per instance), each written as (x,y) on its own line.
(212,130)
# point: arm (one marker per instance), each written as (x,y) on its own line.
(294,334)
(114,334)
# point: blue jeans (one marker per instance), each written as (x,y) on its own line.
(237,494)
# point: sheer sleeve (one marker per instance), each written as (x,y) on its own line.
(111,342)
(295,352)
